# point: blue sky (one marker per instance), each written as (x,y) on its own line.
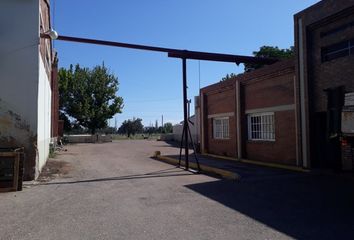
(150,82)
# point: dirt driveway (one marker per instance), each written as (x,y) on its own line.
(116,191)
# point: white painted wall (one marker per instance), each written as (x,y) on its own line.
(19,41)
(178,128)
(44,115)
(24,83)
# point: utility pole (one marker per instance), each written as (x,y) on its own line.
(185,112)
(162,121)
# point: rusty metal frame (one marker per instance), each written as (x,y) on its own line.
(183,55)
(172,52)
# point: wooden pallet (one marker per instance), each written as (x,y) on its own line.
(15,175)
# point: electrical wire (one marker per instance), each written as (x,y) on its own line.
(153,100)
(199,74)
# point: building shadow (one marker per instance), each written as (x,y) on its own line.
(173,144)
(302,207)
(170,172)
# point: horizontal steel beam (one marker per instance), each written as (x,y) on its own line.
(115,44)
(219,57)
(174,53)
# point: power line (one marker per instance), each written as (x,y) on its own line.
(153,100)
(199,74)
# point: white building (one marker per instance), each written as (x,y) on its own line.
(25,80)
(193,125)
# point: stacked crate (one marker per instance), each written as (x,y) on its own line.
(11,169)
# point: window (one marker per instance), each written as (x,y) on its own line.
(221,128)
(342,49)
(337,29)
(261,126)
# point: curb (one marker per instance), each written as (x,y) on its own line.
(204,168)
(264,164)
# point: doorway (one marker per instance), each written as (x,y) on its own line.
(327,131)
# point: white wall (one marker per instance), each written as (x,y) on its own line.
(178,128)
(25,94)
(44,115)
(19,57)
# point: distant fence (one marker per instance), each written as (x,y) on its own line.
(88,138)
(176,137)
(178,129)
(167,137)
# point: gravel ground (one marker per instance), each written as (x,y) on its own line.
(116,191)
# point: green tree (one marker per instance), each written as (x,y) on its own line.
(108,130)
(131,127)
(228,76)
(88,96)
(168,128)
(269,52)
(67,123)
(150,130)
(138,127)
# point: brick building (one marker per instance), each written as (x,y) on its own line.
(324,43)
(291,112)
(240,119)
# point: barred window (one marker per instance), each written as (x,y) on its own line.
(342,49)
(261,126)
(221,128)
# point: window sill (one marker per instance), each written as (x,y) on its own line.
(261,141)
(221,139)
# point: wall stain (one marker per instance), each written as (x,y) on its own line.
(14,133)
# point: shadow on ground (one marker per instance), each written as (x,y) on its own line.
(170,172)
(245,170)
(173,144)
(300,206)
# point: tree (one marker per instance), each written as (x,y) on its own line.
(88,96)
(67,123)
(269,52)
(168,128)
(150,130)
(228,76)
(108,130)
(131,127)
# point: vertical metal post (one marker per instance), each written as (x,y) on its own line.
(185,102)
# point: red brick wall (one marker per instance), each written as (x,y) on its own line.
(270,86)
(321,17)
(224,147)
(60,128)
(55,99)
(220,99)
(273,91)
(276,89)
(334,73)
(283,149)
(45,44)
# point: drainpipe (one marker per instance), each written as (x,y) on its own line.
(238,121)
(303,113)
(297,147)
(201,120)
